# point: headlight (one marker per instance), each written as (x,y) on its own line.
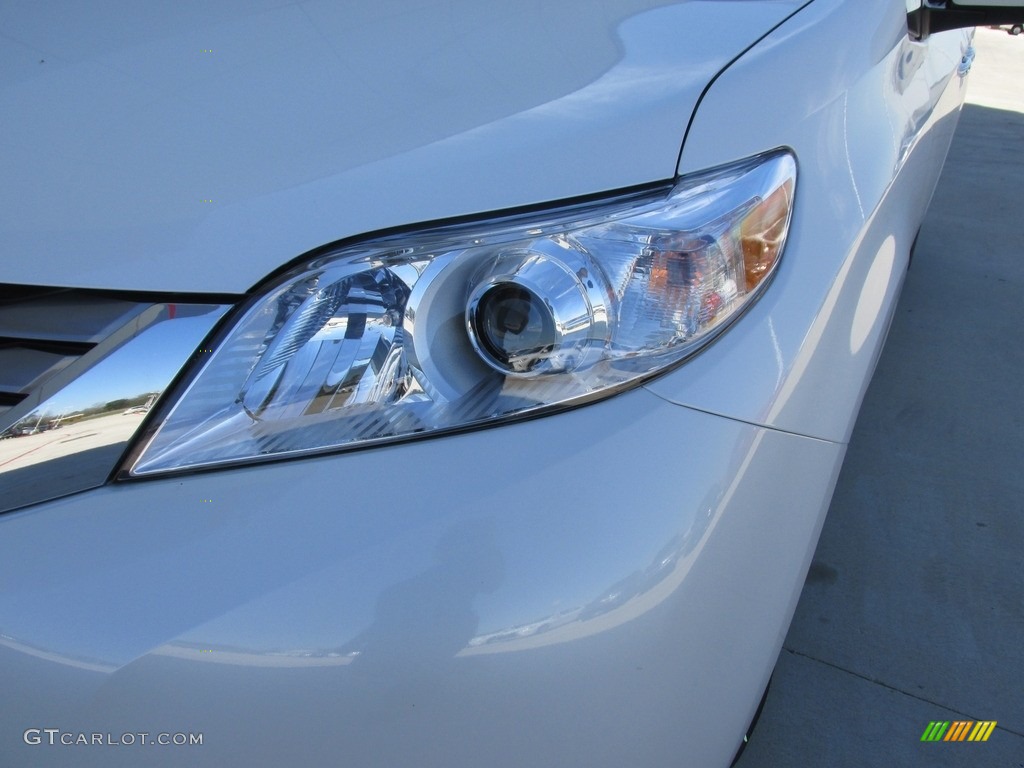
(467,325)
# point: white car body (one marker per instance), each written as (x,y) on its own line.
(605,586)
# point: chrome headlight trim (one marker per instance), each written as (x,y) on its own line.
(71,431)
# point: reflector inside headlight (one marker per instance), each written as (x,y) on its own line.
(465,325)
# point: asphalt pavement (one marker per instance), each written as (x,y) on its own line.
(913,611)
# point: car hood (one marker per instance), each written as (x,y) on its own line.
(199,147)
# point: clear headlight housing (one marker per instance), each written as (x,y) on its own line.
(461,326)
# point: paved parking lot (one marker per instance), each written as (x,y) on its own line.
(914,607)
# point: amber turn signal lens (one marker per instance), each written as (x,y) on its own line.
(763,233)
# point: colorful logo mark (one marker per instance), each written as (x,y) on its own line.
(958,730)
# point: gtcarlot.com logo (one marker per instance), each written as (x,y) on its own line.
(959,730)
(55,737)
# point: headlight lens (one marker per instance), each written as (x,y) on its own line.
(465,325)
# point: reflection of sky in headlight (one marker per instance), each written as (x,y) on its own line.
(316,358)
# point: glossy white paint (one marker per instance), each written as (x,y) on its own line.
(201,149)
(609,586)
(870,138)
(665,566)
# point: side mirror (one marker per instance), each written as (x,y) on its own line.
(940,15)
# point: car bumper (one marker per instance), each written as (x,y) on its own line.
(608,586)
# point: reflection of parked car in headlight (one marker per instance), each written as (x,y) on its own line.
(506,358)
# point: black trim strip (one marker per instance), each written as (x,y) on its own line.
(69,348)
(11,293)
